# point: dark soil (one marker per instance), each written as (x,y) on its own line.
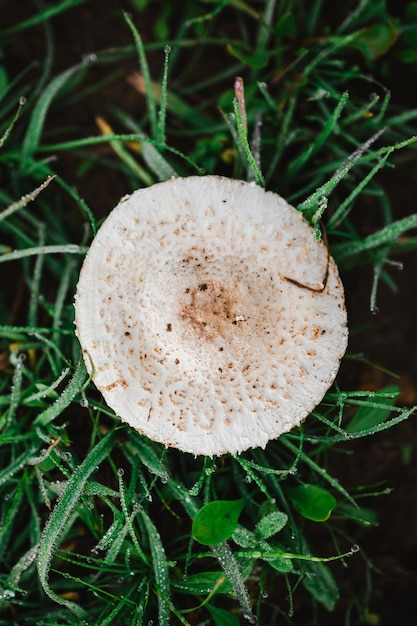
(389,459)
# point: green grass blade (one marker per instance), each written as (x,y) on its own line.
(42,16)
(68,248)
(15,394)
(321,138)
(148,456)
(150,97)
(343,209)
(39,113)
(320,471)
(243,140)
(231,568)
(24,200)
(387,235)
(160,566)
(161,138)
(61,514)
(35,282)
(325,190)
(72,389)
(16,465)
(9,128)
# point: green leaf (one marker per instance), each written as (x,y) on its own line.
(376,40)
(222,617)
(313,502)
(271,524)
(216,521)
(369,416)
(244,538)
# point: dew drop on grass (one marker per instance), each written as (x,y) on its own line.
(120,471)
(89,58)
(22,101)
(355,548)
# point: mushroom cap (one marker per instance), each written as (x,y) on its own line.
(209,316)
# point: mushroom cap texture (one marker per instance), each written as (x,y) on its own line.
(209,316)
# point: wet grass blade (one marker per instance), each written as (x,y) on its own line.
(66,397)
(39,113)
(160,567)
(61,514)
(150,98)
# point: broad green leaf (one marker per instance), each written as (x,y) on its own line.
(368,416)
(216,521)
(244,538)
(313,502)
(271,524)
(376,40)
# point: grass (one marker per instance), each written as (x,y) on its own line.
(98,524)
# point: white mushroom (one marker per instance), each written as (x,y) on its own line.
(210,317)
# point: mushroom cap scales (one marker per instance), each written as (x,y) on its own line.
(209,316)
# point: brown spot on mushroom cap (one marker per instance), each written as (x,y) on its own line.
(235,314)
